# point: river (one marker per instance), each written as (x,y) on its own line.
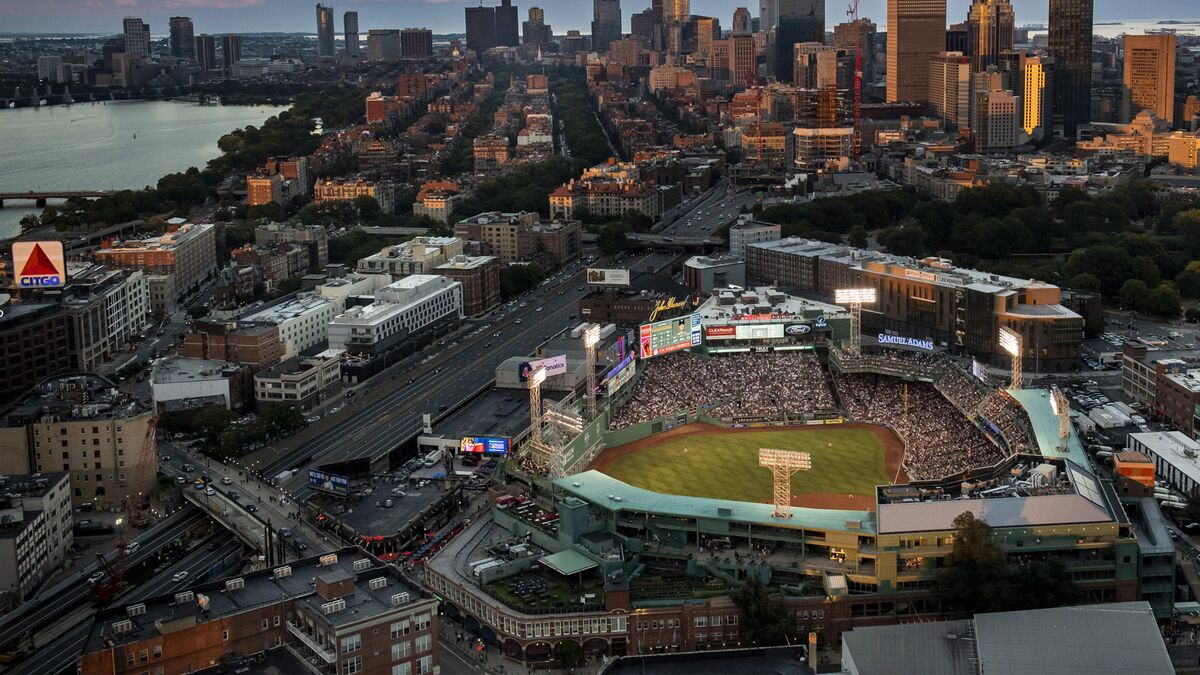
(110,146)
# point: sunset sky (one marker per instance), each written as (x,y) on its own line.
(443,16)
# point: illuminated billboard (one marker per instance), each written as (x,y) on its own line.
(555,365)
(619,379)
(484,445)
(720,332)
(760,332)
(39,264)
(329,482)
(605,277)
(672,335)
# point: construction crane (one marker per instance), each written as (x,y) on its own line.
(852,11)
(113,581)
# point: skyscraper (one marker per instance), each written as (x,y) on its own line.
(416,42)
(606,23)
(1036,80)
(183,38)
(767,14)
(798,21)
(741,20)
(383,44)
(481,28)
(350,32)
(676,11)
(1149,81)
(989,31)
(231,50)
(1070,44)
(507,25)
(206,52)
(950,89)
(137,36)
(535,31)
(916,30)
(849,35)
(743,60)
(324,30)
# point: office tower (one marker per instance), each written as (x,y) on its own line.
(989,32)
(706,28)
(206,52)
(718,60)
(606,23)
(137,36)
(743,60)
(231,50)
(957,38)
(350,32)
(1070,44)
(642,26)
(183,38)
(741,20)
(535,31)
(1036,73)
(797,21)
(383,44)
(506,25)
(845,39)
(481,28)
(916,30)
(768,14)
(950,89)
(1149,80)
(676,11)
(997,124)
(814,65)
(324,30)
(416,42)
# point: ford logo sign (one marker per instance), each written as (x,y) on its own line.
(797,329)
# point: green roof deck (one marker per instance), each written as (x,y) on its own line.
(602,490)
(1036,403)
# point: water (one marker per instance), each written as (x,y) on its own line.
(92,147)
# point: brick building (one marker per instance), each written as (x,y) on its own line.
(480,279)
(253,344)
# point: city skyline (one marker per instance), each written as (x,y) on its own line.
(442,16)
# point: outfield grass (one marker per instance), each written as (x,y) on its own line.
(725,466)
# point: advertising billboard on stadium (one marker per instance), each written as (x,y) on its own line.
(38,264)
(329,482)
(555,365)
(672,335)
(720,332)
(484,445)
(619,379)
(760,332)
(606,277)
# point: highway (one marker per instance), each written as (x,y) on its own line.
(57,601)
(704,216)
(68,647)
(448,378)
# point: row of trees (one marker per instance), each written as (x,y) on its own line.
(461,156)
(585,138)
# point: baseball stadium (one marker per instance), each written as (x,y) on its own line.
(757,439)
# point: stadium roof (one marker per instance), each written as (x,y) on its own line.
(568,562)
(1036,403)
(933,516)
(602,490)
(911,648)
(1115,638)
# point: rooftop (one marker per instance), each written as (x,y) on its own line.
(734,303)
(72,397)
(181,370)
(165,242)
(290,309)
(466,262)
(1174,447)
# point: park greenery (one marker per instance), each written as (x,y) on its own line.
(1139,254)
(461,156)
(978,578)
(221,434)
(584,136)
(517,279)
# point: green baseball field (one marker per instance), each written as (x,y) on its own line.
(700,460)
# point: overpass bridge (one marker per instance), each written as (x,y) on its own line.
(40,197)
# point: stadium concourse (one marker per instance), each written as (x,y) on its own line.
(949,420)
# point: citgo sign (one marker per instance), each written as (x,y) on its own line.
(39,264)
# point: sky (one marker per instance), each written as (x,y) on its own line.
(446,16)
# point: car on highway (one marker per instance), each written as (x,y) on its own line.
(180,480)
(208,492)
(235,495)
(164,458)
(226,480)
(96,576)
(252,508)
(188,468)
(179,576)
(518,322)
(285,532)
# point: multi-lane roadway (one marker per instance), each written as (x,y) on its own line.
(705,215)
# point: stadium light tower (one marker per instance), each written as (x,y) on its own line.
(1011,342)
(783,463)
(536,378)
(591,337)
(855,298)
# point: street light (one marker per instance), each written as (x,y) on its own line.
(591,337)
(1011,342)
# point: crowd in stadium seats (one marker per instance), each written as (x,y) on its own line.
(896,360)
(1010,418)
(938,440)
(964,390)
(741,384)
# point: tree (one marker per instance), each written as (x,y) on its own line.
(211,422)
(1134,293)
(857,237)
(197,311)
(271,211)
(568,653)
(1163,302)
(908,240)
(612,237)
(1188,280)
(764,620)
(368,208)
(1086,281)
